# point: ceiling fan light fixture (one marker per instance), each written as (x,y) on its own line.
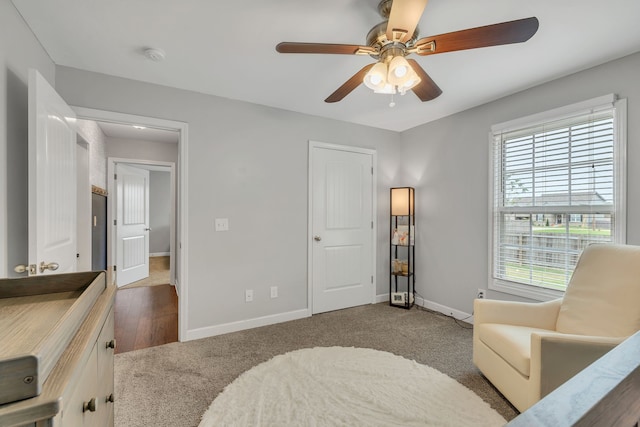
(376,78)
(399,71)
(412,80)
(398,67)
(387,89)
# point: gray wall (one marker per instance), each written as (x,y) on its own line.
(448,163)
(159,212)
(91,132)
(247,163)
(19,51)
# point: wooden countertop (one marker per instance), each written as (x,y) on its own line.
(65,373)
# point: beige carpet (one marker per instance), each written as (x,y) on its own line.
(347,386)
(174,384)
(159,273)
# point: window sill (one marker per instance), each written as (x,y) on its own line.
(527,291)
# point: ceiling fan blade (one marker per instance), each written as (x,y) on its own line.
(404,18)
(517,31)
(349,85)
(427,89)
(344,49)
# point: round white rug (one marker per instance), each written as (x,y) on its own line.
(338,386)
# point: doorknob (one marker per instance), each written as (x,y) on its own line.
(317,238)
(147,229)
(21,268)
(51,266)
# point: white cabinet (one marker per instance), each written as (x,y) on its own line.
(106,347)
(81,408)
(90,402)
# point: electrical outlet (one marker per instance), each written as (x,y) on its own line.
(248,295)
(274,292)
(481,294)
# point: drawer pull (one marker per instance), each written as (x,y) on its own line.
(112,344)
(110,398)
(89,406)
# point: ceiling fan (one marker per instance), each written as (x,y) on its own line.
(392,40)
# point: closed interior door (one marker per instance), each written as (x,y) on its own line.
(342,228)
(132,224)
(52,180)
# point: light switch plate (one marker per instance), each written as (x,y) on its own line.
(222,224)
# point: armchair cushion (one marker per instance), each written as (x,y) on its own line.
(511,342)
(606,301)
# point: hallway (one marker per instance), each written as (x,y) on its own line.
(145,317)
(146,311)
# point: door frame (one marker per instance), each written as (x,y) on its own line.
(180,246)
(374,203)
(112,207)
(83,205)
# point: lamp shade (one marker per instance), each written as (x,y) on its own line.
(402,201)
(412,80)
(399,71)
(376,78)
(387,89)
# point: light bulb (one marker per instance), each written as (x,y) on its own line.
(375,79)
(400,71)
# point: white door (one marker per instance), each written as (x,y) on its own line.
(341,229)
(132,224)
(52,180)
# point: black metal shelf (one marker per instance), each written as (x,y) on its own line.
(402,274)
(402,285)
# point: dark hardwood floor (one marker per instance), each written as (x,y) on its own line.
(145,317)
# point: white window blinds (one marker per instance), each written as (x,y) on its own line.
(554,192)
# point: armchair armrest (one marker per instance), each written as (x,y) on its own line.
(536,315)
(556,357)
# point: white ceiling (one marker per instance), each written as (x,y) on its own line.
(117,130)
(228,48)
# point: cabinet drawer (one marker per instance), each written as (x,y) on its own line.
(75,412)
(105,372)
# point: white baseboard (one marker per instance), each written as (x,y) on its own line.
(448,311)
(151,255)
(382,298)
(241,325)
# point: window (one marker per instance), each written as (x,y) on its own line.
(557,185)
(575,218)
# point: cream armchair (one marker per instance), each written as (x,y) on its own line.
(529,349)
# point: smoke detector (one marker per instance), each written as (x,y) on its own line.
(154,54)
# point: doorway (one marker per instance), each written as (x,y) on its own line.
(143,208)
(179,232)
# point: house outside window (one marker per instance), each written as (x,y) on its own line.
(557,185)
